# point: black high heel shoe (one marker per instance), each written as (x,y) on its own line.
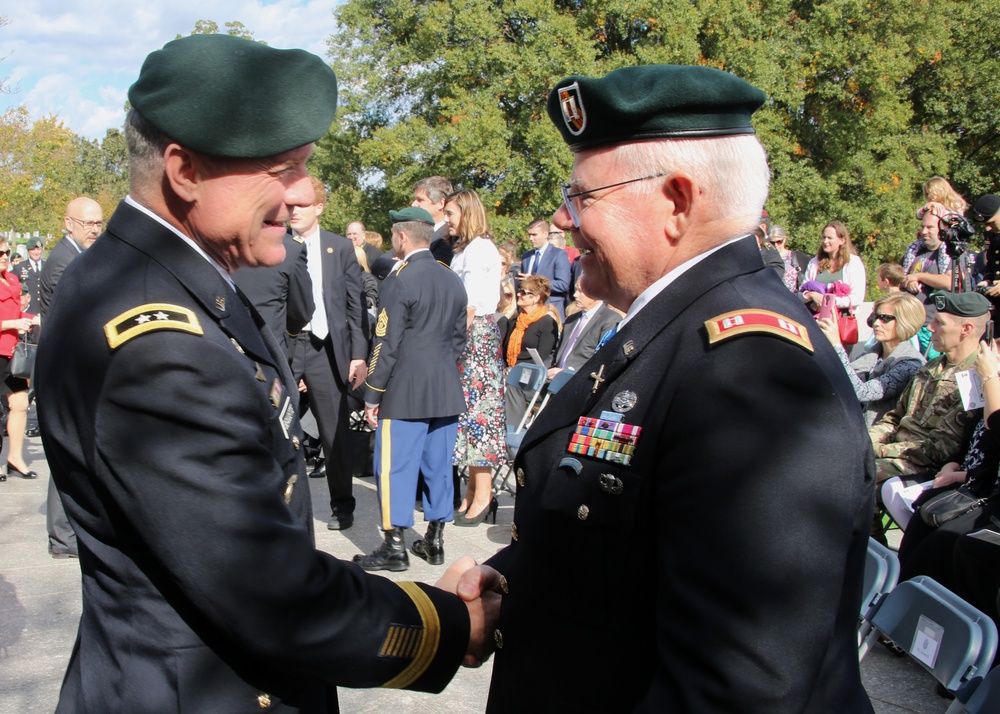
(11,470)
(489,512)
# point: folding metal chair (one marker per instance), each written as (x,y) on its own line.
(881,576)
(948,637)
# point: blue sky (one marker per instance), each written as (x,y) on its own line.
(77,60)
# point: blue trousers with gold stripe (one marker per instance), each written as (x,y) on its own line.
(403,449)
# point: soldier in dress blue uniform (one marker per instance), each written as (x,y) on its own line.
(29,272)
(173,431)
(693,506)
(421,321)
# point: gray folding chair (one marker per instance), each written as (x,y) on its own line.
(948,637)
(986,698)
(881,576)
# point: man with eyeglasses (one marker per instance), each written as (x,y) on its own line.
(83,222)
(692,511)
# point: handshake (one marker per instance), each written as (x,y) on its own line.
(481,587)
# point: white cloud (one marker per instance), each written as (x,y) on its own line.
(77,60)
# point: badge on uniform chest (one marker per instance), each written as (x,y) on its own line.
(607,438)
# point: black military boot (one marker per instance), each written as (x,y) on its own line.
(390,555)
(431,546)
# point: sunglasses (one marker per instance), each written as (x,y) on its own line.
(525,292)
(5,252)
(881,317)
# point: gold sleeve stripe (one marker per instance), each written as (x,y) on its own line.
(150,317)
(401,641)
(430,638)
(742,322)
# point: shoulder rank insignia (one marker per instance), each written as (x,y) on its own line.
(147,318)
(383,323)
(744,322)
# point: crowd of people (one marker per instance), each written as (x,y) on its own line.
(176,440)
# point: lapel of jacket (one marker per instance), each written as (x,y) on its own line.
(579,395)
(200,279)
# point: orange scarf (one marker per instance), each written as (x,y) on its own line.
(517,336)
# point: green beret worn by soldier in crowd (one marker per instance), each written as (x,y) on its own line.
(925,429)
(667,553)
(173,435)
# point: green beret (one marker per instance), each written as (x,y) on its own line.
(226,96)
(961,304)
(411,213)
(34,243)
(660,101)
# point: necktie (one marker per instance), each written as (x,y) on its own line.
(534,263)
(573,338)
(318,325)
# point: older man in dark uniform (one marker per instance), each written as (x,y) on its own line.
(693,506)
(172,431)
(421,321)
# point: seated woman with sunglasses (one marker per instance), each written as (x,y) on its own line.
(13,323)
(536,327)
(880,375)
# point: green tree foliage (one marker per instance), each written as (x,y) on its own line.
(234,28)
(867,99)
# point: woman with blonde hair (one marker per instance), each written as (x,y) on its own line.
(880,375)
(938,194)
(536,327)
(481,441)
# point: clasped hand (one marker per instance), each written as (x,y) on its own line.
(481,587)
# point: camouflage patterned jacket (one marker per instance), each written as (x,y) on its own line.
(925,428)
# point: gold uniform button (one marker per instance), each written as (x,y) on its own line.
(498,639)
(520,477)
(296,443)
(263,700)
(582,512)
(513,531)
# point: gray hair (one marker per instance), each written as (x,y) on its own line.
(146,145)
(437,188)
(731,171)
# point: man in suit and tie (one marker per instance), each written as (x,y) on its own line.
(421,321)
(582,332)
(430,194)
(281,293)
(356,234)
(30,272)
(335,346)
(547,260)
(83,222)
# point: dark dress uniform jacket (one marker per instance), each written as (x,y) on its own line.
(171,433)
(281,293)
(419,336)
(721,571)
(31,281)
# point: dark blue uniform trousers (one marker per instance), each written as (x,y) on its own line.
(405,448)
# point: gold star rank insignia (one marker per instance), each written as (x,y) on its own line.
(147,318)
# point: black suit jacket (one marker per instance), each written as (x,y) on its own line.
(441,247)
(721,570)
(172,435)
(343,298)
(64,253)
(419,336)
(603,320)
(281,293)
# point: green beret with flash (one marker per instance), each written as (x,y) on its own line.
(961,304)
(226,96)
(660,101)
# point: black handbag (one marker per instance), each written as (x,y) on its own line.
(23,360)
(949,505)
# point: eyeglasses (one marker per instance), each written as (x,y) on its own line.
(87,224)
(5,252)
(525,292)
(881,317)
(575,210)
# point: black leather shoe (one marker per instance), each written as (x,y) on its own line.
(11,470)
(431,546)
(339,522)
(32,432)
(319,470)
(390,555)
